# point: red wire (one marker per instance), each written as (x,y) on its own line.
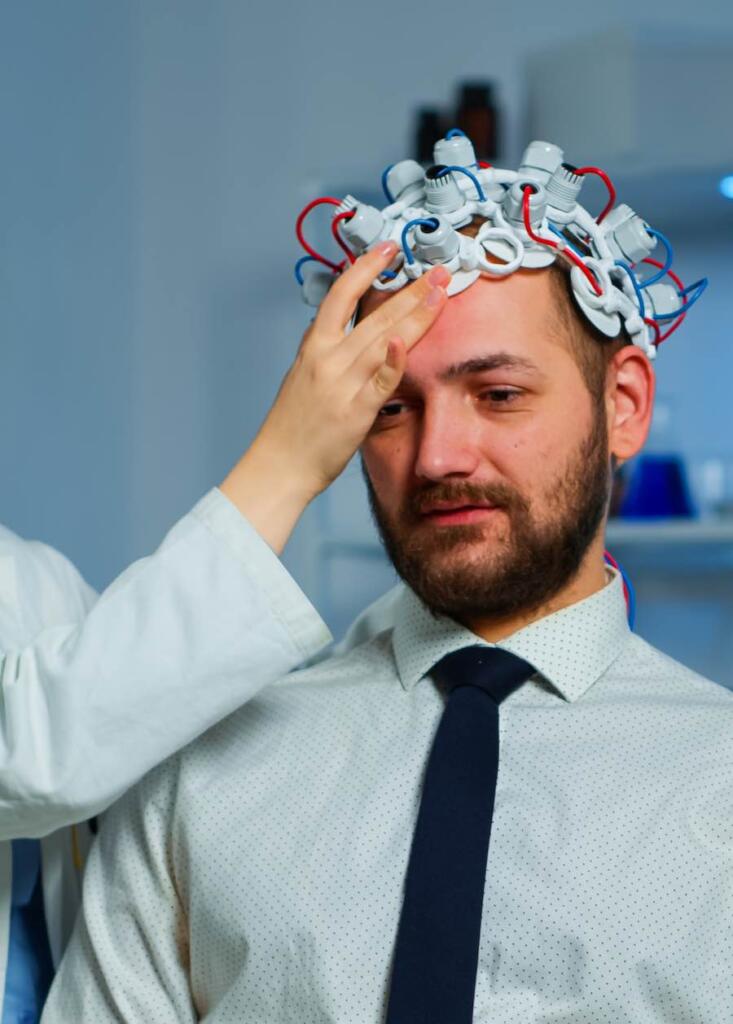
(484,165)
(609,558)
(336,267)
(549,242)
(672,329)
(555,245)
(670,273)
(657,332)
(609,185)
(611,561)
(346,215)
(678,322)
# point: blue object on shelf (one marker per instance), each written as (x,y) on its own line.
(658,488)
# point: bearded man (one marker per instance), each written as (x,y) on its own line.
(323,855)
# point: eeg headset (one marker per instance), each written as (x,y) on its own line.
(530,218)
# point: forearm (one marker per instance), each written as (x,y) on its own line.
(180,640)
(269,493)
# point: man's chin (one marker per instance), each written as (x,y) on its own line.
(462,558)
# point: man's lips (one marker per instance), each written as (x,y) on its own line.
(451,514)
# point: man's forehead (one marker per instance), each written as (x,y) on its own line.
(525,297)
(489,326)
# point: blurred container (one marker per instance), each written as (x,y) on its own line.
(658,489)
(478,117)
(712,483)
(431,125)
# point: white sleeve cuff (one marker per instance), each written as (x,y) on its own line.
(286,600)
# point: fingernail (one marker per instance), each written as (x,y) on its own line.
(387,248)
(439,275)
(435,297)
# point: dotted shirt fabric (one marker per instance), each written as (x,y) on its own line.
(257,877)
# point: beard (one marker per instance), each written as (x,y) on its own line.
(460,572)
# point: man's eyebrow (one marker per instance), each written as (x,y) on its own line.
(481,364)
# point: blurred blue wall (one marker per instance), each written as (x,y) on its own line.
(154,157)
(67,249)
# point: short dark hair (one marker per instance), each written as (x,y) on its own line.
(593,350)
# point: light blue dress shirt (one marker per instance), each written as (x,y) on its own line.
(30,970)
(257,877)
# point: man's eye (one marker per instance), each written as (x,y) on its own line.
(391,409)
(500,396)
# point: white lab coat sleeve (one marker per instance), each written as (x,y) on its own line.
(129,954)
(178,641)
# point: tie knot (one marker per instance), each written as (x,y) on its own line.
(498,673)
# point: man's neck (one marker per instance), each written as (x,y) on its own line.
(590,578)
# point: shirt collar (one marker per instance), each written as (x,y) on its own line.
(570,649)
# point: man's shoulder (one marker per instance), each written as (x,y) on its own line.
(345,677)
(361,663)
(663,676)
(339,688)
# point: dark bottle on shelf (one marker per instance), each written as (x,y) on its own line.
(477,116)
(430,127)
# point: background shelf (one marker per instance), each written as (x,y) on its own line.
(670,531)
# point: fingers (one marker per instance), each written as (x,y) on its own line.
(417,322)
(340,304)
(409,329)
(386,376)
(390,315)
(403,301)
(389,374)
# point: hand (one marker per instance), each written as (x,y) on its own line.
(331,394)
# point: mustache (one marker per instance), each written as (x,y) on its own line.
(466,493)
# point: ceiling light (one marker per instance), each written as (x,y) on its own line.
(726,186)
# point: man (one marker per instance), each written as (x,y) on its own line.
(294,864)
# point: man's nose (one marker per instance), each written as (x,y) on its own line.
(447,445)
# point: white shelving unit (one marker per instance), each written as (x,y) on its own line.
(633,532)
(671,531)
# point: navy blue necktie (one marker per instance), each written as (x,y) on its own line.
(436,955)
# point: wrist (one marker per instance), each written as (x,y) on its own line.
(269,492)
(282,470)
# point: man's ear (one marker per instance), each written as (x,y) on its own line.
(629,402)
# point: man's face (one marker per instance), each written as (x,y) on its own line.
(488,470)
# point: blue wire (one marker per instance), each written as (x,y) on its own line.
(702,282)
(385,172)
(631,611)
(558,232)
(474,179)
(698,287)
(428,221)
(701,285)
(669,259)
(637,288)
(299,265)
(455,131)
(389,274)
(631,601)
